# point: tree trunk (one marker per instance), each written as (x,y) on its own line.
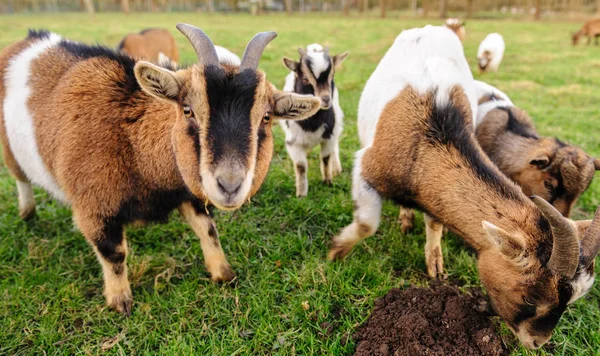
(538,9)
(89,6)
(382,4)
(125,6)
(443,8)
(288,7)
(469,9)
(425,8)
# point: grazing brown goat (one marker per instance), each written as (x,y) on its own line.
(415,122)
(149,44)
(590,29)
(122,141)
(554,170)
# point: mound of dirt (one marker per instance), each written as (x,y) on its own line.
(429,321)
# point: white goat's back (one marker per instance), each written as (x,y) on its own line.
(428,58)
(227,57)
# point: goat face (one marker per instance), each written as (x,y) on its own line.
(484,60)
(314,72)
(557,172)
(531,284)
(222,137)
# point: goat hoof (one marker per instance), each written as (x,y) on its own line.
(338,252)
(435,263)
(300,195)
(328,182)
(122,304)
(406,227)
(225,274)
(27,214)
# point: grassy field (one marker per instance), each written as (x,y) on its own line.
(51,286)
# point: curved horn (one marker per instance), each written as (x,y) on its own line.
(590,243)
(254,50)
(203,46)
(564,259)
(597,164)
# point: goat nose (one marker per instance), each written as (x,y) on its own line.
(230,184)
(326,99)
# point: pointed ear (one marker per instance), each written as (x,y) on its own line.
(290,64)
(597,164)
(290,106)
(541,161)
(159,82)
(510,246)
(339,58)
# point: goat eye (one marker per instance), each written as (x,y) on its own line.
(528,301)
(187,111)
(266,119)
(548,185)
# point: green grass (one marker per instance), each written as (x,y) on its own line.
(51,285)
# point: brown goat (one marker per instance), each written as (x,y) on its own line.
(543,166)
(419,150)
(590,29)
(123,142)
(149,44)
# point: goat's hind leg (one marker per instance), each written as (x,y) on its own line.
(433,247)
(298,156)
(108,240)
(367,215)
(26,200)
(407,219)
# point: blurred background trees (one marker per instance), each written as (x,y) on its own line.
(382,8)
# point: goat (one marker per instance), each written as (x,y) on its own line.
(490,53)
(227,57)
(313,74)
(590,29)
(457,26)
(122,141)
(556,171)
(415,121)
(152,44)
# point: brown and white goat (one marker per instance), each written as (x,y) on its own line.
(556,171)
(313,74)
(590,29)
(415,122)
(152,44)
(457,26)
(122,142)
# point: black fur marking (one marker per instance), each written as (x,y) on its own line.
(230,98)
(301,168)
(525,312)
(129,84)
(144,31)
(324,118)
(154,207)
(326,161)
(214,237)
(192,131)
(448,127)
(518,128)
(544,248)
(545,324)
(37,34)
(118,268)
(111,237)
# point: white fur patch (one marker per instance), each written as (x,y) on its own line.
(320,60)
(494,44)
(227,57)
(581,286)
(482,89)
(18,120)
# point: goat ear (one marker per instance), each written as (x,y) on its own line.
(339,58)
(159,82)
(540,161)
(509,245)
(290,106)
(290,64)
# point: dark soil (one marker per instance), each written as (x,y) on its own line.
(439,320)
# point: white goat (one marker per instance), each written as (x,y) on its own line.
(490,53)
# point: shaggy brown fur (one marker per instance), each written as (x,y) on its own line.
(590,29)
(123,154)
(439,168)
(547,167)
(149,43)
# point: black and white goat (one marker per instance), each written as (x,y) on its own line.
(313,74)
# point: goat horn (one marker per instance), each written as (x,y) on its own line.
(597,164)
(590,243)
(203,46)
(564,259)
(254,50)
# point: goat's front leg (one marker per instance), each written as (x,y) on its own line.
(367,215)
(407,218)
(108,240)
(433,247)
(298,156)
(214,257)
(328,159)
(26,200)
